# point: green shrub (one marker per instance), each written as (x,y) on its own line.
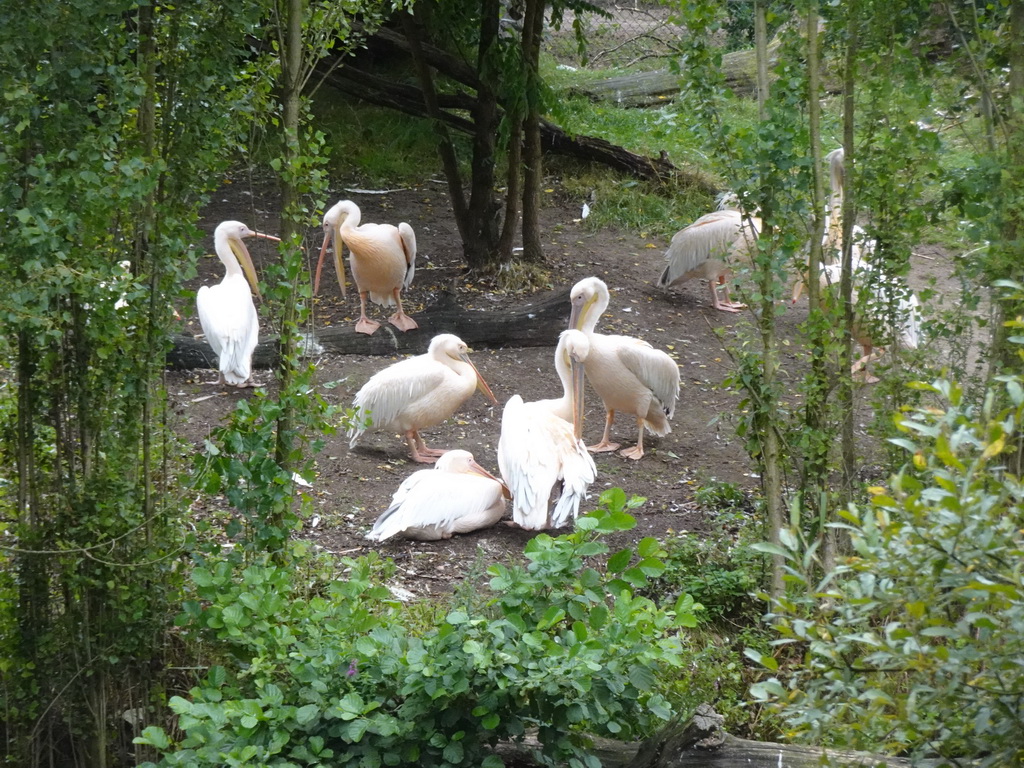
(914,643)
(563,645)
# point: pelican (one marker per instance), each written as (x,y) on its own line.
(888,312)
(540,453)
(418,392)
(456,496)
(628,374)
(383,259)
(704,248)
(862,247)
(226,311)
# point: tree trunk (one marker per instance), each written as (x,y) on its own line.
(849,456)
(291,76)
(701,743)
(652,89)
(533,170)
(769,417)
(533,325)
(484,208)
(813,488)
(1005,356)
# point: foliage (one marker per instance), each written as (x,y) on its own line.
(116,120)
(914,642)
(239,461)
(335,673)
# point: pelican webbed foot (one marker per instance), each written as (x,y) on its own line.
(367,326)
(635,453)
(603,447)
(403,322)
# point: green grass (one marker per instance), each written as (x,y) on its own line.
(376,146)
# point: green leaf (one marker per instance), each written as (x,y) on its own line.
(618,562)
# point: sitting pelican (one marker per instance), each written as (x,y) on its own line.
(226,311)
(704,248)
(383,259)
(540,453)
(456,496)
(418,392)
(628,374)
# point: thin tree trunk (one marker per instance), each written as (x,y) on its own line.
(769,418)
(813,490)
(144,260)
(1013,200)
(533,171)
(484,208)
(849,455)
(512,188)
(291,73)
(761,55)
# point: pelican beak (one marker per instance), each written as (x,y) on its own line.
(576,374)
(476,469)
(480,383)
(332,233)
(580,306)
(242,254)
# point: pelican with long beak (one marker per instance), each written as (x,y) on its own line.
(226,310)
(456,496)
(418,392)
(383,259)
(628,374)
(540,453)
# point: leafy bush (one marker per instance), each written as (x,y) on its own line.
(564,645)
(915,642)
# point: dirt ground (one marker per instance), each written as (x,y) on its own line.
(352,487)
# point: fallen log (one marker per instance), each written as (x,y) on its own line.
(536,324)
(701,742)
(647,89)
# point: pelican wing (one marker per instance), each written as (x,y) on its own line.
(653,368)
(537,455)
(389,392)
(408,238)
(229,321)
(711,236)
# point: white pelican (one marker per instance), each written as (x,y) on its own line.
(456,496)
(887,312)
(383,259)
(705,248)
(540,453)
(832,242)
(418,392)
(226,311)
(628,374)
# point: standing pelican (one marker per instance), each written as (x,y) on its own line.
(627,373)
(419,392)
(832,243)
(540,453)
(888,312)
(456,496)
(383,259)
(226,311)
(704,248)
